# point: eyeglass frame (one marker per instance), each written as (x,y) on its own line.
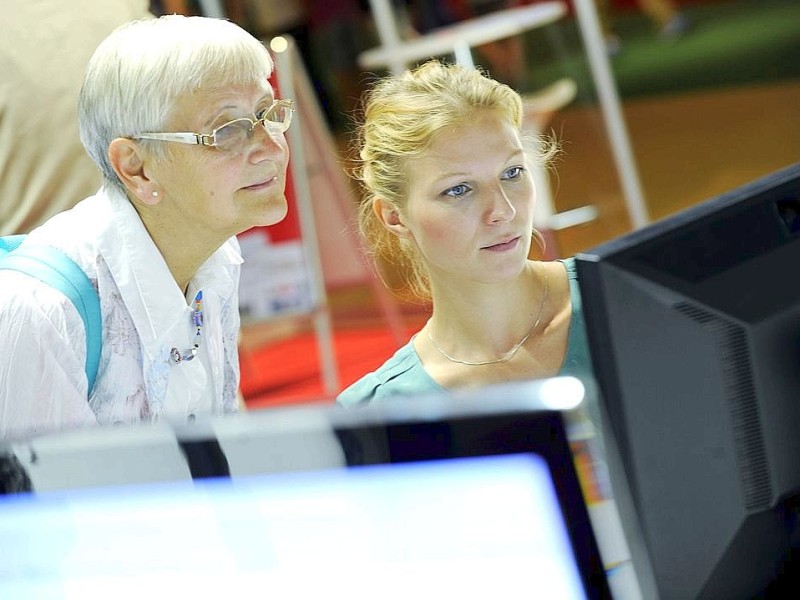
(209,139)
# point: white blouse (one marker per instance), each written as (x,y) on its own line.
(43,385)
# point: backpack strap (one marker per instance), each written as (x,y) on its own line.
(10,242)
(56,269)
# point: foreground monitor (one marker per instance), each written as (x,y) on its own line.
(470,496)
(694,330)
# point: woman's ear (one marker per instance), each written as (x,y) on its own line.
(127,161)
(389,216)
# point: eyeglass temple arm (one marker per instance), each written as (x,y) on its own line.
(183,137)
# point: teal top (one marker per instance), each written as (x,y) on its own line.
(403,374)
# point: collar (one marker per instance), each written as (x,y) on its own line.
(153,298)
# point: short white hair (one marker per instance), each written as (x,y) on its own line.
(136,75)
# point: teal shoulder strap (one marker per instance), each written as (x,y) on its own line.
(10,242)
(56,269)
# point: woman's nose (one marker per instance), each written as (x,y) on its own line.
(267,141)
(500,208)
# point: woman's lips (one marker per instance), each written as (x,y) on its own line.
(261,184)
(503,246)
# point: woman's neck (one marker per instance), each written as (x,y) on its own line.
(489,316)
(184,252)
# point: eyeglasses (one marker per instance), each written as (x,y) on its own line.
(233,135)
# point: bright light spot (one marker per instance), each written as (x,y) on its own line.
(562,393)
(278,44)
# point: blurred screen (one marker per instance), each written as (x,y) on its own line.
(466,528)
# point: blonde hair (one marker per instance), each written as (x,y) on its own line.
(401,117)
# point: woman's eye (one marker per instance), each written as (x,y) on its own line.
(457,190)
(262,111)
(234,130)
(513,173)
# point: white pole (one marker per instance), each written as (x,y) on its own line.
(612,112)
(463,54)
(383,14)
(212,8)
(285,55)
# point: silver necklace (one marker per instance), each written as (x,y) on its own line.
(508,355)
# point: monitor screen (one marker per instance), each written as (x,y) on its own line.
(439,497)
(471,527)
(694,331)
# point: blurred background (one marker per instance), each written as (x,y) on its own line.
(709,96)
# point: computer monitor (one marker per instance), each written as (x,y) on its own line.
(472,495)
(694,332)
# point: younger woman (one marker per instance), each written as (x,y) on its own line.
(449,203)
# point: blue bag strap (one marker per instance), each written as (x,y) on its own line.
(56,269)
(10,242)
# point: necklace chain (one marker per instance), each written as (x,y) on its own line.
(175,355)
(508,355)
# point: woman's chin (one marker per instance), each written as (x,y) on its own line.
(279,212)
(273,212)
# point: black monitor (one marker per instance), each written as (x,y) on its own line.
(463,496)
(694,331)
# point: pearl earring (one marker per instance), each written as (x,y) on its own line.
(155,194)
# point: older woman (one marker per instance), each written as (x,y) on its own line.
(180,117)
(449,203)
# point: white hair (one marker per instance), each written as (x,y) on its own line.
(136,75)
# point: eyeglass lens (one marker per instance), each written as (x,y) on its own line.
(234,135)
